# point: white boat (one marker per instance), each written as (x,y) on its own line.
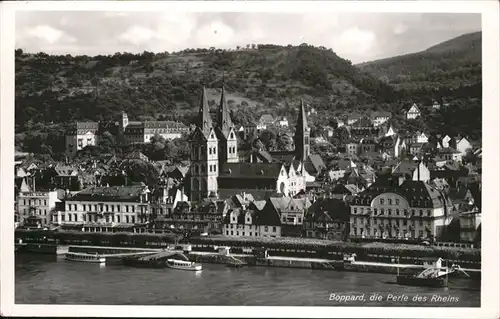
(183,265)
(84,257)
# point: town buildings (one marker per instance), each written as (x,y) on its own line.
(413,112)
(327,219)
(131,132)
(380,117)
(388,183)
(216,170)
(252,222)
(83,134)
(413,209)
(35,208)
(105,207)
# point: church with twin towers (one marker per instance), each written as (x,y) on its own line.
(216,170)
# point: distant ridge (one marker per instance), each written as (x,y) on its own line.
(449,64)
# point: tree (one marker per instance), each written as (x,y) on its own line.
(106,143)
(284,142)
(268,138)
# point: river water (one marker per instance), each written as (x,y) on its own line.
(52,280)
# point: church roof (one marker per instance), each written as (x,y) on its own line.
(250,170)
(302,119)
(223,115)
(204,118)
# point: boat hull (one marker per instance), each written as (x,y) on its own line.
(422,282)
(144,263)
(101,260)
(193,268)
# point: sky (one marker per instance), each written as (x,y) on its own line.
(355,36)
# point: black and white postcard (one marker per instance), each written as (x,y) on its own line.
(300,159)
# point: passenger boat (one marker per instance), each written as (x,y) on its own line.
(84,257)
(434,276)
(183,265)
(410,280)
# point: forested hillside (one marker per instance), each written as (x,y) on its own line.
(448,65)
(53,91)
(65,88)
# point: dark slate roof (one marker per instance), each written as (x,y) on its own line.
(448,150)
(65,170)
(327,210)
(417,193)
(269,215)
(405,167)
(258,194)
(163,124)
(316,161)
(87,125)
(250,170)
(263,155)
(282,156)
(109,194)
(240,216)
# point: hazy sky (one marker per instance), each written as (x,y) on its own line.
(355,36)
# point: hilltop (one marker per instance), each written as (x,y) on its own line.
(265,78)
(448,65)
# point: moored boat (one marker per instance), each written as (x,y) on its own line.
(183,265)
(435,282)
(84,257)
(433,276)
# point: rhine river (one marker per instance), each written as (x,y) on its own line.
(52,280)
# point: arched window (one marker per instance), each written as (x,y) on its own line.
(196,184)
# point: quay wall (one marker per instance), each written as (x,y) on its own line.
(291,248)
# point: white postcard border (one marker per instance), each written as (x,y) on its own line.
(490,226)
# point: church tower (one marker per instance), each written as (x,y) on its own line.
(204,154)
(122,126)
(228,142)
(302,134)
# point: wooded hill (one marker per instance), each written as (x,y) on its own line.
(53,91)
(450,64)
(65,88)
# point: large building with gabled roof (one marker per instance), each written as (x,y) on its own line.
(412,210)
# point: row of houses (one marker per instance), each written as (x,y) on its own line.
(400,206)
(83,134)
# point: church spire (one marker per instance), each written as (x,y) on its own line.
(205,119)
(301,119)
(223,114)
(302,134)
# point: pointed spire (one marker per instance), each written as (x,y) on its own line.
(205,119)
(301,119)
(223,115)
